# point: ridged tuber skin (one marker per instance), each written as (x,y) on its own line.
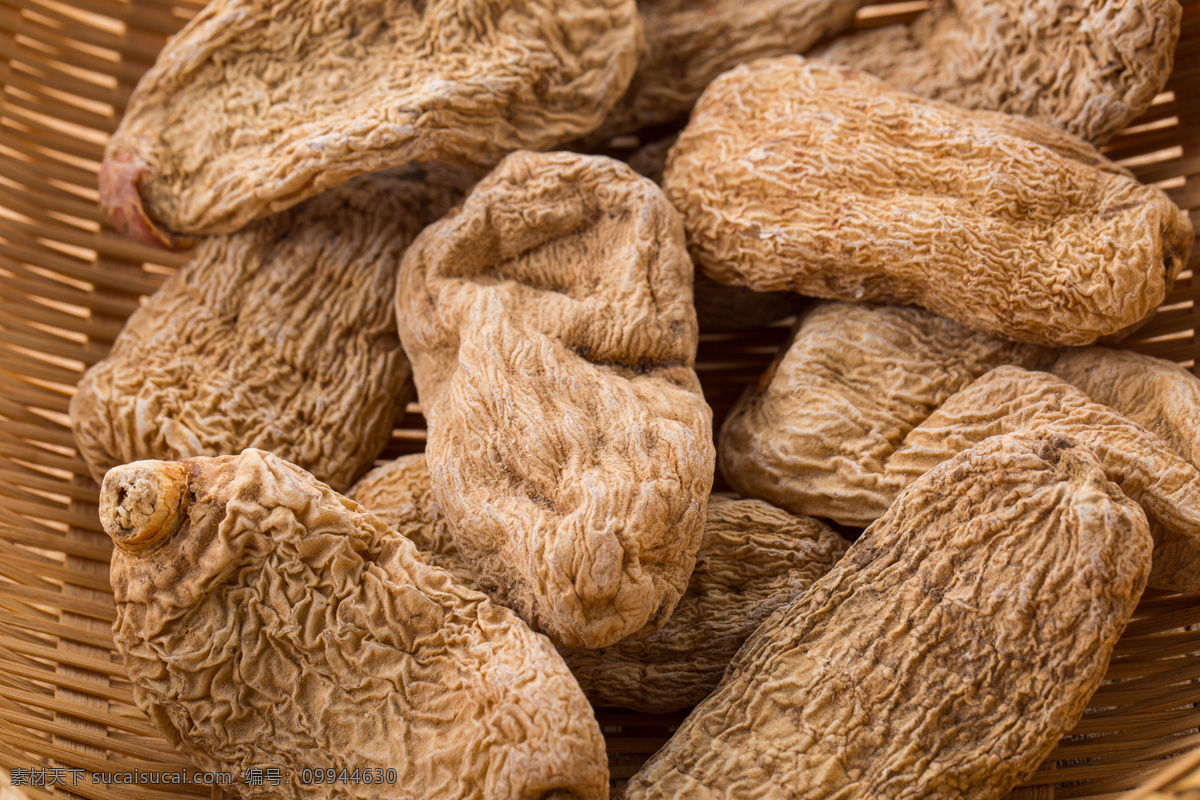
(753,558)
(804,176)
(691,42)
(400,493)
(866,401)
(815,435)
(1012,399)
(1158,394)
(257,105)
(719,308)
(946,653)
(550,322)
(1088,67)
(282,337)
(276,623)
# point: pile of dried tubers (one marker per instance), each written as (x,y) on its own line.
(390,193)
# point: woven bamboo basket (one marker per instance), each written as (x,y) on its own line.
(67,283)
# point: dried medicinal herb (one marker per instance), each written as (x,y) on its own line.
(282,337)
(719,307)
(814,178)
(1160,395)
(550,322)
(943,657)
(400,493)
(1089,67)
(753,558)
(816,433)
(691,42)
(266,620)
(1011,399)
(257,105)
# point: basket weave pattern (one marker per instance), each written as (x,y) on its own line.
(68,282)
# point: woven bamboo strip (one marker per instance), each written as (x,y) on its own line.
(154,20)
(32,367)
(32,309)
(42,365)
(67,107)
(40,457)
(106,243)
(55,200)
(58,630)
(41,212)
(62,575)
(82,84)
(50,540)
(149,756)
(40,675)
(29,479)
(40,19)
(47,430)
(28,278)
(33,138)
(48,108)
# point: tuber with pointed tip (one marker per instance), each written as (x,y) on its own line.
(281,624)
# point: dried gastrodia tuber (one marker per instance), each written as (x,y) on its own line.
(1089,67)
(719,308)
(845,422)
(550,322)
(753,558)
(690,42)
(1160,395)
(266,620)
(943,657)
(257,105)
(1011,399)
(815,434)
(810,177)
(400,493)
(282,337)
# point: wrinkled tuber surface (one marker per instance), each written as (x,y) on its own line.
(1158,394)
(946,653)
(1089,67)
(282,337)
(814,178)
(259,104)
(815,434)
(719,307)
(1011,399)
(753,558)
(400,493)
(265,619)
(691,42)
(553,338)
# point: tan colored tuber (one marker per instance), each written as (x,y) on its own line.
(553,338)
(267,621)
(753,558)
(816,434)
(946,653)
(1158,394)
(691,42)
(814,178)
(1087,66)
(257,105)
(282,337)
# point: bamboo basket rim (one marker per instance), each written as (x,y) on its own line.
(68,281)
